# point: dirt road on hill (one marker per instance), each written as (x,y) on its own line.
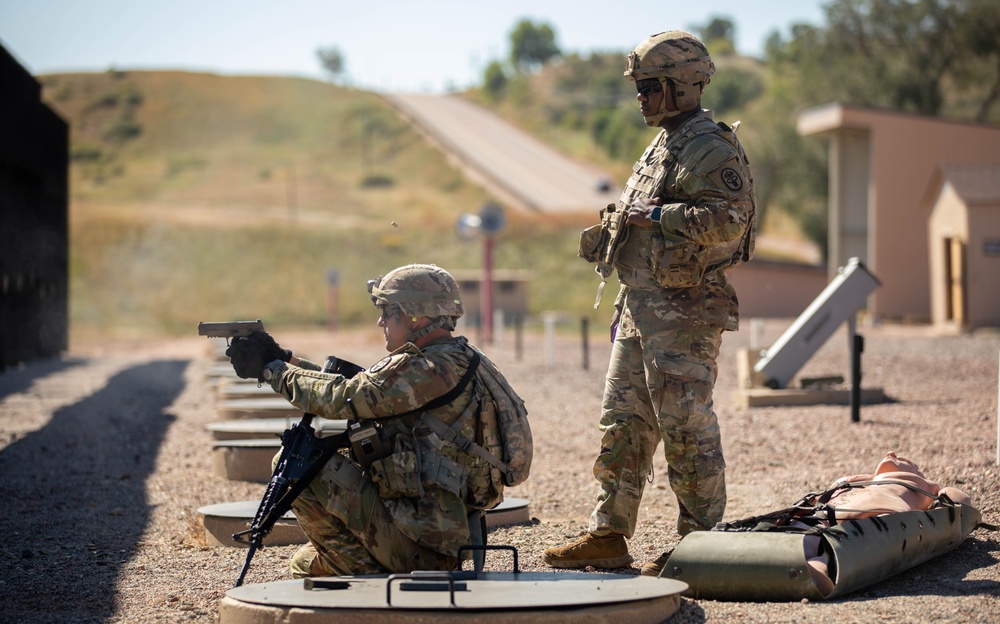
(104,460)
(514,166)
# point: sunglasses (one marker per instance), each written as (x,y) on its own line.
(648,86)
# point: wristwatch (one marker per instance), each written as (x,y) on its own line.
(655,215)
(269,368)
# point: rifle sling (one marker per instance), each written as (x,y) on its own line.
(333,443)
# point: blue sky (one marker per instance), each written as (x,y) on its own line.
(428,45)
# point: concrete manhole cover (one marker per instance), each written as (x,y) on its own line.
(494,597)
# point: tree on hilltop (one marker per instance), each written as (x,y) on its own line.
(332,60)
(532,45)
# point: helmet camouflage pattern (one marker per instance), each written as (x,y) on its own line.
(680,61)
(418,290)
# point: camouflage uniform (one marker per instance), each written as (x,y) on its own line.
(370,521)
(663,365)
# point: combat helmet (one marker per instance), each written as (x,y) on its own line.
(680,61)
(419,290)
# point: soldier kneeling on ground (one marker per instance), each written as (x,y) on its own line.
(433,403)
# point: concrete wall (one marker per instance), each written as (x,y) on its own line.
(886,160)
(34,243)
(776,289)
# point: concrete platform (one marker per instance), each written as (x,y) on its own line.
(244,390)
(224,519)
(265,407)
(221,371)
(752,393)
(489,597)
(510,511)
(244,460)
(765,397)
(268,428)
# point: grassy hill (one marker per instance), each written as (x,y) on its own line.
(203,197)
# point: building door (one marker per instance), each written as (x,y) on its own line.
(954,274)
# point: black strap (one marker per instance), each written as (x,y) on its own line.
(447,397)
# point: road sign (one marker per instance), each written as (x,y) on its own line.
(492,219)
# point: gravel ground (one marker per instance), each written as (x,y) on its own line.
(105,459)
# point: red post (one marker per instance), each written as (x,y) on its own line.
(486,293)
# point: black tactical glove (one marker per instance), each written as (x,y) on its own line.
(272,349)
(248,358)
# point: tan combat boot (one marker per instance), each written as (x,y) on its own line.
(654,567)
(599,551)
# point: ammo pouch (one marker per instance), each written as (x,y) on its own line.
(592,240)
(677,263)
(599,243)
(397,475)
(409,468)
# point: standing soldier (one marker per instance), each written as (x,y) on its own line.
(686,215)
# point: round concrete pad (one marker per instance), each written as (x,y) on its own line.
(250,390)
(494,597)
(244,460)
(221,371)
(510,511)
(270,427)
(224,519)
(264,407)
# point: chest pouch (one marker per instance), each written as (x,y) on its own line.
(366,443)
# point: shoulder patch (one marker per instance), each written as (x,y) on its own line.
(381,364)
(732,178)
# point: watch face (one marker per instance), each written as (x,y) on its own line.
(267,374)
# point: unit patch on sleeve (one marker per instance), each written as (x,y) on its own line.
(732,178)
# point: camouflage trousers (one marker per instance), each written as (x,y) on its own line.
(659,387)
(350,530)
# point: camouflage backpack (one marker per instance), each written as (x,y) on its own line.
(504,431)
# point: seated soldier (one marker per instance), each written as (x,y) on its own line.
(409,508)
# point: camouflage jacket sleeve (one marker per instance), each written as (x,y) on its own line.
(404,380)
(713,192)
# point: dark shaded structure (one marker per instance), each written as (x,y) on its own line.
(34,237)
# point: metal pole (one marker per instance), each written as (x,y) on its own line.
(550,339)
(332,298)
(518,329)
(857,345)
(292,194)
(486,293)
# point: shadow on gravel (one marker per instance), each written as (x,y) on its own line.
(73,497)
(13,380)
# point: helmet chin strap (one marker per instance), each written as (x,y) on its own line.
(435,324)
(666,87)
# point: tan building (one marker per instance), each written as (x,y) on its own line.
(510,293)
(964,234)
(882,164)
